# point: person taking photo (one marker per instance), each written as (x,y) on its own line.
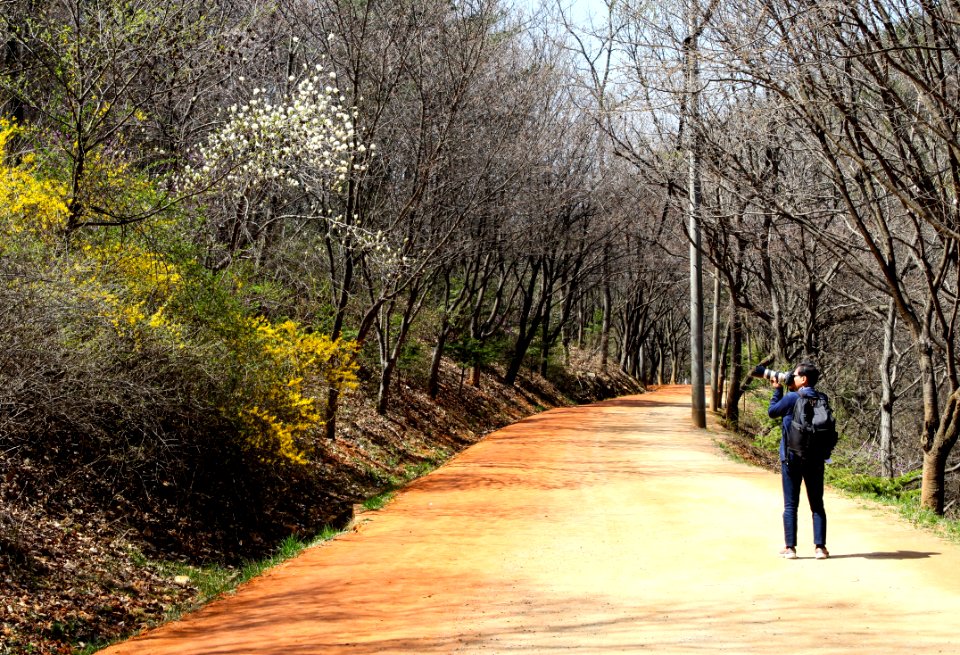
(797,468)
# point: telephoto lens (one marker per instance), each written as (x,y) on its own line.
(782,377)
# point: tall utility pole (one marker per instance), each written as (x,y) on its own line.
(691,119)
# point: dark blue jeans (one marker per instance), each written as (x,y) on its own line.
(810,472)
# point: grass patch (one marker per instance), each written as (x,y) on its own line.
(730,452)
(769,440)
(900,493)
(414,471)
(288,549)
(214,580)
(908,507)
(377,502)
(411,472)
(891,490)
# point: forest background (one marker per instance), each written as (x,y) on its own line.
(233,233)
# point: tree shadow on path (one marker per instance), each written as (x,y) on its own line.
(899,554)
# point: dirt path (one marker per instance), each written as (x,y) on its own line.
(608,528)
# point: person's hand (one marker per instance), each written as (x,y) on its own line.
(775,383)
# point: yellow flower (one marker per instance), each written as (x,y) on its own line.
(28,203)
(283,399)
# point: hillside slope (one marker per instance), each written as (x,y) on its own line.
(76,570)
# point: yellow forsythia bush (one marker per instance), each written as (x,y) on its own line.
(281,371)
(135,286)
(288,371)
(30,206)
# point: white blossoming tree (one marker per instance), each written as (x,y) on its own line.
(277,158)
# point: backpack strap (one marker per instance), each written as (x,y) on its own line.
(800,428)
(796,408)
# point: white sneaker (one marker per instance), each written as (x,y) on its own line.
(821,552)
(788,553)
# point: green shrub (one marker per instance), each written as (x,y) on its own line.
(469,352)
(850,480)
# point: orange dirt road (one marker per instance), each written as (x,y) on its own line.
(609,528)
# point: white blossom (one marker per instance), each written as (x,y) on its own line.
(301,139)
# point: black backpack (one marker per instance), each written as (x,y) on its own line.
(813,430)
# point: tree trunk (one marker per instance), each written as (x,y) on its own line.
(581,319)
(936,453)
(390,356)
(333,396)
(516,362)
(724,367)
(715,348)
(931,489)
(625,348)
(661,363)
(887,392)
(475,377)
(674,362)
(607,309)
(639,373)
(13,59)
(651,370)
(527,325)
(383,389)
(732,410)
(932,481)
(545,344)
(433,383)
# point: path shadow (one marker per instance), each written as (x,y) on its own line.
(898,554)
(640,401)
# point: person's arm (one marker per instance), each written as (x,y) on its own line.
(781,404)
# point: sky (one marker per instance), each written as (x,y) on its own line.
(580,10)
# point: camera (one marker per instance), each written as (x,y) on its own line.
(783,377)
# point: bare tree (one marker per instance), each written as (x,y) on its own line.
(88,73)
(871,83)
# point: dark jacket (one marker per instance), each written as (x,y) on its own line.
(781,405)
